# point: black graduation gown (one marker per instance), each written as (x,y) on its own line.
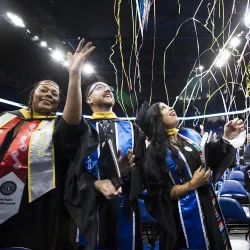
(43,224)
(247,178)
(246,156)
(82,199)
(165,210)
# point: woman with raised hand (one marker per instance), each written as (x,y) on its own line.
(33,165)
(181,195)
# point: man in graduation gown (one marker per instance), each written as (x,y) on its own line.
(107,216)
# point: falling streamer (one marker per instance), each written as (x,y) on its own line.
(152,79)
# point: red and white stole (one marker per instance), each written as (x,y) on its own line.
(30,155)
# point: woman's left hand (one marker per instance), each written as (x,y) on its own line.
(233,128)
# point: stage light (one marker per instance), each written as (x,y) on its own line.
(65,64)
(201,67)
(133,118)
(220,62)
(57,55)
(15,20)
(235,42)
(88,69)
(35,38)
(225,54)
(223,57)
(43,44)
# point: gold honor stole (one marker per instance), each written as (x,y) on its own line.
(31,154)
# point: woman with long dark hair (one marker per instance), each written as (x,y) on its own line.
(181,196)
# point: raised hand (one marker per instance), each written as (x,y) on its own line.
(107,188)
(75,62)
(126,163)
(233,128)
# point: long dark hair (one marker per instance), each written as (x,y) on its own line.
(31,96)
(160,140)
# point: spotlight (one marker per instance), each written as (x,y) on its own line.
(15,20)
(225,54)
(88,69)
(35,38)
(201,67)
(235,42)
(43,44)
(57,55)
(65,64)
(220,62)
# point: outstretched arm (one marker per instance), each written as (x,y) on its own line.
(72,113)
(221,153)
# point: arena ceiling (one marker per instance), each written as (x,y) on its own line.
(182,29)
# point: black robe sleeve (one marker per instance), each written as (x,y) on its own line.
(220,156)
(160,205)
(137,180)
(80,194)
(66,138)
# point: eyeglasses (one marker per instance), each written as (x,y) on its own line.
(101,87)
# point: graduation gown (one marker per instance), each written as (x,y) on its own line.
(96,216)
(246,156)
(43,224)
(168,212)
(247,178)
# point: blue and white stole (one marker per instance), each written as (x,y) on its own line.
(189,205)
(126,226)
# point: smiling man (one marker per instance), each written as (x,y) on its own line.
(107,215)
(100,97)
(116,223)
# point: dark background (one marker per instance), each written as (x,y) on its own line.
(62,22)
